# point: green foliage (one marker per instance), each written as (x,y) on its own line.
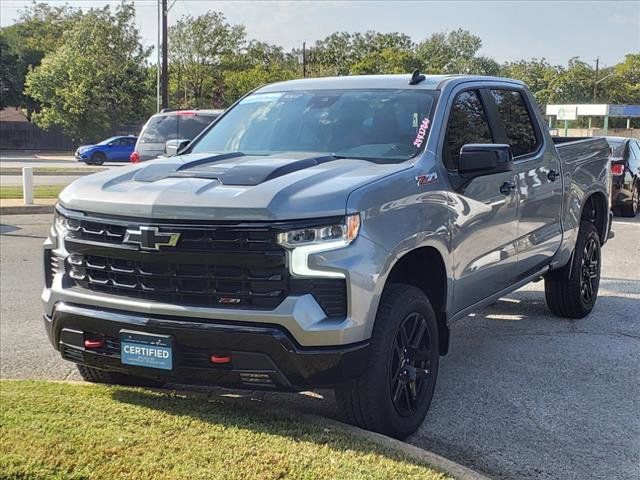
(238,83)
(24,44)
(198,49)
(96,79)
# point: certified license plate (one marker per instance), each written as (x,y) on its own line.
(145,350)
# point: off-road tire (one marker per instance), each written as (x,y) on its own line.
(631,210)
(95,375)
(564,288)
(368,401)
(97,159)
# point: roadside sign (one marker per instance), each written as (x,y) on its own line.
(567,113)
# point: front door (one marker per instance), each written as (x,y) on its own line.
(485,218)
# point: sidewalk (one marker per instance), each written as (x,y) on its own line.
(16,206)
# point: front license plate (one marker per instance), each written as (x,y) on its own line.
(145,350)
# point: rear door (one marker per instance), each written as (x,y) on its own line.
(484,223)
(539,181)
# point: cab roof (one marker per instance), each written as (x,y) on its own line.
(430,82)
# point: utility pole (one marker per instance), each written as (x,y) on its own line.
(164,81)
(595,82)
(158,57)
(304,59)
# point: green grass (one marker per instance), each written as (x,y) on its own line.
(52,170)
(39,191)
(75,431)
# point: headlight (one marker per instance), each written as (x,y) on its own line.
(306,241)
(64,224)
(344,233)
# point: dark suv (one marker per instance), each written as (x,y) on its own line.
(170,125)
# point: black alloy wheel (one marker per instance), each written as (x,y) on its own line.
(409,372)
(590,270)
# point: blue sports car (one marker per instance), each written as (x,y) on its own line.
(114,149)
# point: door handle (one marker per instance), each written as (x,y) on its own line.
(507,187)
(552,175)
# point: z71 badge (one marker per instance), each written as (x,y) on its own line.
(427,179)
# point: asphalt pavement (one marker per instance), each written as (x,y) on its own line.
(521,395)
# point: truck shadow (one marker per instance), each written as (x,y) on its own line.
(233,410)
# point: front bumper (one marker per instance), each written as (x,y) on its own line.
(262,356)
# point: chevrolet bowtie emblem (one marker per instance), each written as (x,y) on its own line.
(150,238)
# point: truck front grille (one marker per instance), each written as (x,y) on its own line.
(231,266)
(260,283)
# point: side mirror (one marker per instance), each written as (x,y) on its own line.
(173,147)
(480,159)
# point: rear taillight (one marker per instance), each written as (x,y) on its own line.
(617,169)
(134,157)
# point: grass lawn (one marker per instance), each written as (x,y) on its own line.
(52,170)
(39,191)
(77,431)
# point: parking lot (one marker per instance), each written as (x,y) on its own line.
(521,394)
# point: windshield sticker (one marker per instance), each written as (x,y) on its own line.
(261,98)
(422,133)
(415,120)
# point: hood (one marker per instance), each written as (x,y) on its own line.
(84,148)
(229,186)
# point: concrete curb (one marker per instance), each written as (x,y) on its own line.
(443,464)
(26,209)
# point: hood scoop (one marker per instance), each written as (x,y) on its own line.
(233,169)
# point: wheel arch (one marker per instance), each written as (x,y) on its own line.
(595,210)
(424,267)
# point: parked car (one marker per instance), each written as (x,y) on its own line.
(113,149)
(625,171)
(179,125)
(325,233)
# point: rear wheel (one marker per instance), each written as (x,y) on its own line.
(572,290)
(98,158)
(95,375)
(631,210)
(394,394)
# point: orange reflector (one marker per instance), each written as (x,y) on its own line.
(220,358)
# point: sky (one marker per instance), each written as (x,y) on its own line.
(510,30)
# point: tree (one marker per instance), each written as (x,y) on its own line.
(450,52)
(537,74)
(338,53)
(198,48)
(238,83)
(96,79)
(38,32)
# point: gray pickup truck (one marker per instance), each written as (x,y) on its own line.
(326,233)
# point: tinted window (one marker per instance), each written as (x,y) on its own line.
(517,123)
(169,127)
(131,140)
(467,124)
(118,142)
(617,147)
(634,158)
(385,125)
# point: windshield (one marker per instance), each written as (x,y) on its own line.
(389,125)
(168,127)
(105,142)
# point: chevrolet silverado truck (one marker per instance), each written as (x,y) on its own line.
(326,233)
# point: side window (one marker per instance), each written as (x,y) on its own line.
(131,141)
(634,157)
(518,126)
(118,142)
(467,124)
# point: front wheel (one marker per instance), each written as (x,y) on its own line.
(571,291)
(393,396)
(98,158)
